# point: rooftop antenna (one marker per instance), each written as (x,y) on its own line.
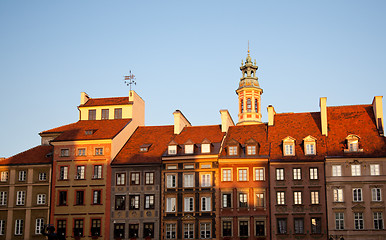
(129,79)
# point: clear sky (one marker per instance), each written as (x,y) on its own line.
(185,54)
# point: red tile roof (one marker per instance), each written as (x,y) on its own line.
(243,133)
(358,120)
(106,101)
(102,129)
(297,126)
(37,155)
(157,136)
(197,134)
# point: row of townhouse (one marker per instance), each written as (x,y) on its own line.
(313,175)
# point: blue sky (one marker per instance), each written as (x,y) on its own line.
(185,54)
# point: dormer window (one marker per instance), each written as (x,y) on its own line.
(205,146)
(251,147)
(233,147)
(144,147)
(232,150)
(189,147)
(89,132)
(289,146)
(172,149)
(353,144)
(309,145)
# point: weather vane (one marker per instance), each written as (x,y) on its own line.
(129,79)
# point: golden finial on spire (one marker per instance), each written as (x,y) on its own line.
(248,47)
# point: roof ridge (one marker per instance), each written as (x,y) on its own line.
(351,105)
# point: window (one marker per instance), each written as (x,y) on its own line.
(170,231)
(281,225)
(41,199)
(338,195)
(339,221)
(242,174)
(118,113)
(19,227)
(314,173)
(95,227)
(149,201)
(62,198)
(3,198)
(249,105)
(134,202)
(134,178)
(374,169)
(96,196)
(260,228)
(22,176)
(336,170)
(226,175)
(98,151)
(78,227)
(251,150)
(205,230)
(120,202)
(92,114)
(20,198)
(148,230)
(289,146)
(378,220)
(355,170)
(314,197)
(189,149)
(226,200)
(280,200)
(205,165)
(63,174)
(79,197)
(310,148)
(206,180)
(189,180)
(299,225)
(226,228)
(133,230)
(357,194)
(205,147)
(352,143)
(297,173)
(81,152)
(358,221)
(149,178)
(243,200)
(188,166)
(297,198)
(232,150)
(119,230)
(172,149)
(241,106)
(243,228)
(97,172)
(61,228)
(170,204)
(256,105)
(206,204)
(2,227)
(64,152)
(279,174)
(260,200)
(188,230)
(188,204)
(4,176)
(42,176)
(376,194)
(120,179)
(259,174)
(171,167)
(39,226)
(171,181)
(105,114)
(316,225)
(80,172)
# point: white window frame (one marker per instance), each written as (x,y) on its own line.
(260,198)
(357,195)
(41,199)
(259,173)
(206,204)
(376,194)
(226,175)
(336,170)
(172,149)
(298,198)
(358,221)
(355,170)
(189,149)
(205,148)
(171,230)
(188,180)
(232,150)
(338,195)
(120,179)
(374,169)
(171,204)
(42,176)
(22,175)
(188,204)
(297,173)
(19,227)
(251,149)
(4,176)
(310,148)
(314,173)
(377,219)
(2,227)
(80,172)
(280,174)
(206,179)
(280,198)
(64,152)
(188,231)
(339,221)
(98,171)
(204,229)
(39,225)
(315,197)
(20,198)
(242,174)
(63,172)
(171,180)
(3,198)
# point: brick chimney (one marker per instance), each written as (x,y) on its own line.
(378,113)
(180,122)
(271,115)
(226,120)
(323,115)
(83,98)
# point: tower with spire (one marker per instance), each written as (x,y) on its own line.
(249,93)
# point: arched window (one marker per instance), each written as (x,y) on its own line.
(256,105)
(249,105)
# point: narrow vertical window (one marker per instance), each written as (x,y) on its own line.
(39,226)
(339,221)
(92,114)
(118,113)
(249,105)
(105,114)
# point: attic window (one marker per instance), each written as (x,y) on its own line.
(172,149)
(309,145)
(232,150)
(144,147)
(251,147)
(89,132)
(289,146)
(205,146)
(353,144)
(189,147)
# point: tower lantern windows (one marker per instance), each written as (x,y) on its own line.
(255,105)
(242,105)
(249,105)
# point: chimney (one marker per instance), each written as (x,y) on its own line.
(323,115)
(226,120)
(271,115)
(83,98)
(378,113)
(180,122)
